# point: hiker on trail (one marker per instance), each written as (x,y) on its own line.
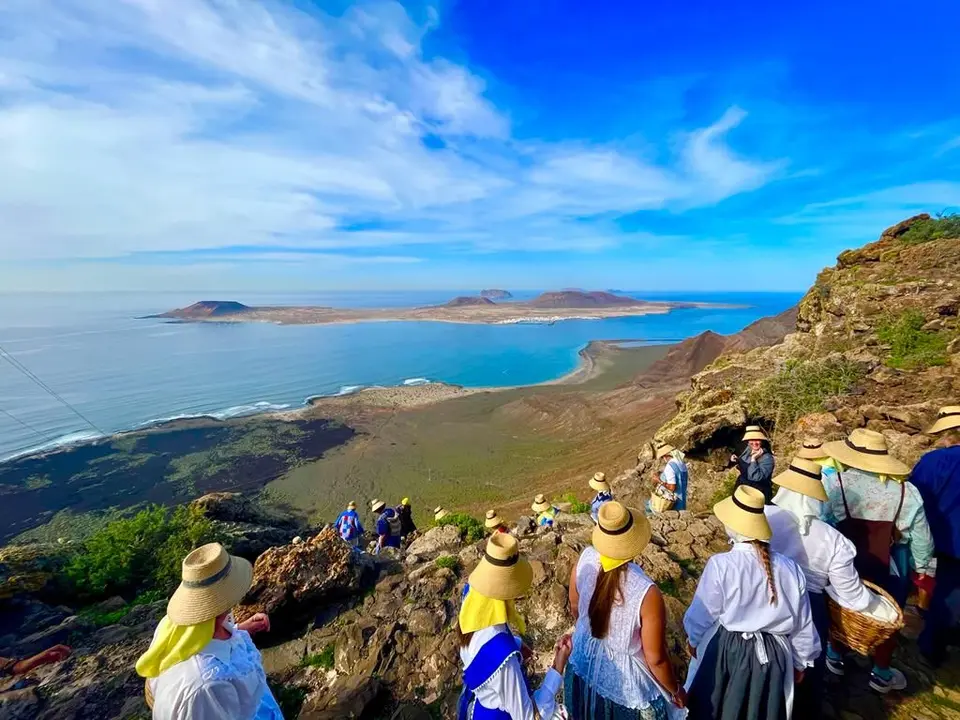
(749,628)
(348,525)
(494,523)
(756,462)
(12,670)
(202,665)
(405,512)
(620,667)
(599,483)
(825,556)
(873,505)
(546,512)
(937,477)
(494,685)
(388,525)
(439,513)
(673,475)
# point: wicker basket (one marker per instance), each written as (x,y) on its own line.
(659,504)
(858,631)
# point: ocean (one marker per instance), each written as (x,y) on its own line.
(120,372)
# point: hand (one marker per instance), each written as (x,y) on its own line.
(733,458)
(755,454)
(691,650)
(798,677)
(679,698)
(525,652)
(256,623)
(562,651)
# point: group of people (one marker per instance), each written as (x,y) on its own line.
(393,524)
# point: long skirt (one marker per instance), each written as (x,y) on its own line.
(732,684)
(809,694)
(583,703)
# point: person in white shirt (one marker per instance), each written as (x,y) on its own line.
(749,627)
(201,665)
(822,552)
(494,685)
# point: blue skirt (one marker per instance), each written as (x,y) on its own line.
(584,704)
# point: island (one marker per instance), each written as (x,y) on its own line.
(547,308)
(496,294)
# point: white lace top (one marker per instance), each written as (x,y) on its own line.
(613,667)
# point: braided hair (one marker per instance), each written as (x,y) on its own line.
(763,554)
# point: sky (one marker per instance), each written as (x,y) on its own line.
(257,145)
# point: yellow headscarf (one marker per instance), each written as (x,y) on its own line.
(840,467)
(173,644)
(478,612)
(608,563)
(826,462)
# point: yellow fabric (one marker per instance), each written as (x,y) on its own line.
(478,612)
(550,514)
(173,644)
(405,501)
(608,563)
(826,462)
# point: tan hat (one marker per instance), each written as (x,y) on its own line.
(502,573)
(212,582)
(947,419)
(866,450)
(742,512)
(803,476)
(540,504)
(351,505)
(754,432)
(621,532)
(439,513)
(599,482)
(664,450)
(377,505)
(493,520)
(811,449)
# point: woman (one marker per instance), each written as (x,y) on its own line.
(494,686)
(619,668)
(823,554)
(872,504)
(599,483)
(201,665)
(749,627)
(756,462)
(673,475)
(546,512)
(348,525)
(493,523)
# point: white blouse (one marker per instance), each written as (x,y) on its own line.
(733,592)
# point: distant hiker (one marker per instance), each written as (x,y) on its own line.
(825,556)
(872,504)
(599,483)
(405,512)
(388,525)
(749,627)
(756,462)
(674,474)
(348,525)
(12,670)
(546,512)
(493,523)
(937,477)
(620,667)
(439,513)
(201,665)
(494,685)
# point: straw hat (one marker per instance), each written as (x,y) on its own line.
(803,476)
(947,419)
(599,482)
(212,582)
(502,574)
(811,449)
(351,505)
(621,532)
(664,450)
(866,450)
(540,504)
(754,432)
(493,520)
(439,513)
(377,505)
(743,513)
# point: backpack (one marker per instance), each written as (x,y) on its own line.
(396,527)
(348,527)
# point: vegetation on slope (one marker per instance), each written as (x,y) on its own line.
(935,228)
(912,347)
(801,387)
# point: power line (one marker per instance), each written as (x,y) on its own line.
(53,393)
(25,424)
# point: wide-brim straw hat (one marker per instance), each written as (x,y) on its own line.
(866,450)
(599,482)
(742,512)
(948,418)
(803,476)
(212,582)
(502,573)
(540,504)
(621,532)
(664,450)
(754,432)
(811,449)
(377,505)
(439,513)
(492,520)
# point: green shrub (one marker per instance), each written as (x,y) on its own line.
(322,659)
(669,587)
(575,505)
(912,347)
(802,387)
(942,226)
(289,697)
(102,619)
(726,488)
(137,554)
(447,561)
(470,528)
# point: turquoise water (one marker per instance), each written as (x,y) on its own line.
(120,372)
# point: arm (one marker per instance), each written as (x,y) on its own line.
(804,640)
(707,604)
(670,476)
(760,471)
(507,690)
(51,655)
(844,578)
(917,532)
(574,595)
(653,634)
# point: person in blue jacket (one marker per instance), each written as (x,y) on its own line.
(348,525)
(389,528)
(756,462)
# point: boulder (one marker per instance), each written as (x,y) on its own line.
(444,537)
(19,704)
(348,697)
(424,622)
(234,507)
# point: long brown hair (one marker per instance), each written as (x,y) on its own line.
(605,594)
(763,554)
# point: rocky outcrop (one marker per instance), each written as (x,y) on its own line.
(206,309)
(469,300)
(581,299)
(245,527)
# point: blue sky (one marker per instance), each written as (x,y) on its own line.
(239,145)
